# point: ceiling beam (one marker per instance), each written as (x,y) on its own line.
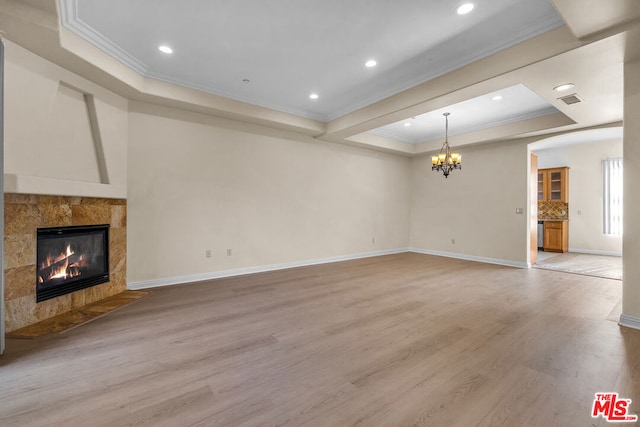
(456,86)
(37,29)
(587,18)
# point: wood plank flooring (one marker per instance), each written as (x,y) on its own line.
(399,340)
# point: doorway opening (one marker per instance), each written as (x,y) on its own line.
(568,213)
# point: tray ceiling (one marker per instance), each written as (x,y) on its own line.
(275,54)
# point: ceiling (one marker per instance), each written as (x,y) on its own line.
(276,53)
(429,60)
(501,107)
(589,136)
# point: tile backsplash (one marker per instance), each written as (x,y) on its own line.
(553,210)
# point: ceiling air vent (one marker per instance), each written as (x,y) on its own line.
(571,99)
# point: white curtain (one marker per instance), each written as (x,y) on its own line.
(612,196)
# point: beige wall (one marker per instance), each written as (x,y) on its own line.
(552,158)
(198,183)
(631,239)
(48,131)
(585,193)
(475,206)
(63,135)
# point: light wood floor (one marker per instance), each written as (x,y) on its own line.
(397,340)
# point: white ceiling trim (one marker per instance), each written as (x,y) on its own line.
(589,136)
(249,100)
(526,33)
(462,130)
(69,19)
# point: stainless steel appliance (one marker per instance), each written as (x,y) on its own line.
(540,234)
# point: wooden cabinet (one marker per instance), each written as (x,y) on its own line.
(556,236)
(553,185)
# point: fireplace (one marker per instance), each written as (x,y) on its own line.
(70,259)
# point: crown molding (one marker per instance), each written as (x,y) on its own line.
(70,20)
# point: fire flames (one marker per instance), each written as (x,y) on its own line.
(62,266)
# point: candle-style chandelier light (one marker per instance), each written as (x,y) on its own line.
(446,161)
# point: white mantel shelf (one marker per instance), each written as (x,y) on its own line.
(24,184)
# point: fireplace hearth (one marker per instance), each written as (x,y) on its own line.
(70,259)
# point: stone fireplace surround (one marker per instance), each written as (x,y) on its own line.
(24,213)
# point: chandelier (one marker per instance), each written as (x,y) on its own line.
(446,161)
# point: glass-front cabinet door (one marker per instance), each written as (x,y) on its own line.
(553,185)
(541,180)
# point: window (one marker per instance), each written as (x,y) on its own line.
(612,196)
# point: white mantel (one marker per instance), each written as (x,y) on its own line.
(24,184)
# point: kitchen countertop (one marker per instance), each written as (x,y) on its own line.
(552,219)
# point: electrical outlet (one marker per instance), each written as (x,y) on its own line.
(579,212)
(373,240)
(519,210)
(207,253)
(228,252)
(453,241)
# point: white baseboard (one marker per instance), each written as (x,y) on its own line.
(466,257)
(594,252)
(176,280)
(629,321)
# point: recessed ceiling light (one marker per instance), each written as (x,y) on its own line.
(497,98)
(563,87)
(314,96)
(370,63)
(165,49)
(465,8)
(407,124)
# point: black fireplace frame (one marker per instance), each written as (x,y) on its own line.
(81,282)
